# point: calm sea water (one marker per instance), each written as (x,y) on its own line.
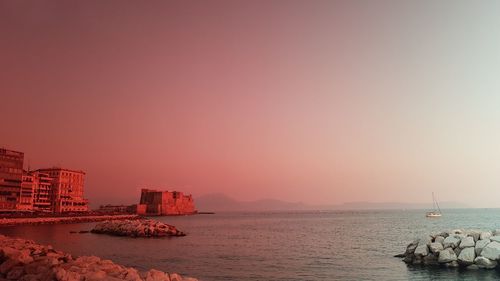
(285,246)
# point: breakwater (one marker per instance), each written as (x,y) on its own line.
(25,260)
(471,249)
(72,219)
(136,228)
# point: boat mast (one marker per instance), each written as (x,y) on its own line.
(435,203)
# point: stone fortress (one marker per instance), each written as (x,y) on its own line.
(162,203)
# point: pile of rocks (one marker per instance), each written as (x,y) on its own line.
(471,249)
(137,228)
(25,260)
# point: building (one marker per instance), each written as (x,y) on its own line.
(42,192)
(154,202)
(27,191)
(36,192)
(11,176)
(66,190)
(47,190)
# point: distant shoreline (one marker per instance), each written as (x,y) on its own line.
(62,220)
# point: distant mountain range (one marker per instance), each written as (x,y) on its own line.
(218,202)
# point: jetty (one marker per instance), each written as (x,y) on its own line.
(136,228)
(63,219)
(470,249)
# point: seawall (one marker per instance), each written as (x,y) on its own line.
(55,220)
(470,249)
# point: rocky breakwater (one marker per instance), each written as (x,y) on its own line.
(137,228)
(471,249)
(68,219)
(24,260)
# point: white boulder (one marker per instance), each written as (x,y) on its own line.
(483,262)
(435,247)
(451,241)
(480,244)
(421,250)
(447,255)
(474,233)
(467,242)
(439,239)
(485,235)
(467,256)
(491,251)
(495,238)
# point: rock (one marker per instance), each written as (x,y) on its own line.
(452,264)
(457,251)
(467,256)
(421,250)
(409,259)
(467,242)
(451,241)
(175,277)
(430,259)
(472,267)
(417,260)
(485,235)
(480,244)
(435,247)
(439,239)
(410,249)
(155,275)
(447,255)
(491,251)
(474,233)
(495,238)
(483,262)
(7,265)
(15,273)
(496,232)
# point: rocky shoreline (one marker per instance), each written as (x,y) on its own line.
(25,260)
(136,228)
(56,220)
(471,249)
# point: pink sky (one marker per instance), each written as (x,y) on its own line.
(316,101)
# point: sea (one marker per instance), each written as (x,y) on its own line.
(278,246)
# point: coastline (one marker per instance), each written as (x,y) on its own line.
(62,220)
(28,261)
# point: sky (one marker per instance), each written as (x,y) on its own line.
(322,102)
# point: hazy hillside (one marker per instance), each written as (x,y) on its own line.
(221,202)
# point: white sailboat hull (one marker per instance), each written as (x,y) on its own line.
(433,215)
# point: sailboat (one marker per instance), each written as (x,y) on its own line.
(437,211)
